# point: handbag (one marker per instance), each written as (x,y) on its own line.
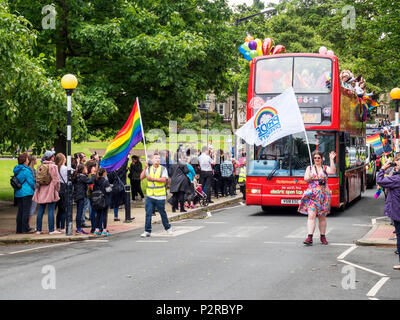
(15,183)
(119,187)
(98,200)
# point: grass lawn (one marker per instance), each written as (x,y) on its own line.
(6,168)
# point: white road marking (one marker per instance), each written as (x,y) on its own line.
(377,287)
(215,241)
(240,232)
(215,222)
(302,233)
(341,244)
(43,247)
(176,231)
(277,242)
(363,268)
(344,254)
(152,241)
(97,240)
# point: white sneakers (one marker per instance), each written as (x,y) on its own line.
(148,234)
(55,232)
(145,234)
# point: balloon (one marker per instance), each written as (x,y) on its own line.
(323,50)
(272,49)
(253,53)
(248,39)
(242,50)
(246,46)
(279,49)
(267,45)
(250,63)
(247,56)
(259,43)
(253,45)
(259,51)
(330,52)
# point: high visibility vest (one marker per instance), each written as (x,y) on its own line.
(242,175)
(155,188)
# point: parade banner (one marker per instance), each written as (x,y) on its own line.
(277,118)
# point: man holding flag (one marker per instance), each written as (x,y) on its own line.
(156,191)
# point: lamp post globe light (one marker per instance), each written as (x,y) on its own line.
(395,95)
(69,83)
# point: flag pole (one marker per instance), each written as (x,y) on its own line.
(308,146)
(141,124)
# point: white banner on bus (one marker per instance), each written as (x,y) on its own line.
(277,118)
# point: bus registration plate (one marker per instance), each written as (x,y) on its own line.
(290,201)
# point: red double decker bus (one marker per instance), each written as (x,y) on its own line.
(331,115)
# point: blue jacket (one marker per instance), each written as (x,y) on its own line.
(191,173)
(25,177)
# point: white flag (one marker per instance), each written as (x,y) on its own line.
(277,118)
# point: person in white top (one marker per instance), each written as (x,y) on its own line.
(206,174)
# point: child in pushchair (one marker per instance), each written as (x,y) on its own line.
(200,196)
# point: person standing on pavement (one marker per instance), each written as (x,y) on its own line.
(102,184)
(25,193)
(206,173)
(31,165)
(46,193)
(117,179)
(62,203)
(179,184)
(227,171)
(242,179)
(156,192)
(392,203)
(135,170)
(80,181)
(316,200)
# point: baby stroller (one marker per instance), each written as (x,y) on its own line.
(200,196)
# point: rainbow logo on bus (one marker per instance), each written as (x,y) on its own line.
(266,122)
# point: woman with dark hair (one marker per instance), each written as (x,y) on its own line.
(117,179)
(135,170)
(102,184)
(62,203)
(25,193)
(316,199)
(80,182)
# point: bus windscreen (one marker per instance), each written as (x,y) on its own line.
(289,155)
(305,74)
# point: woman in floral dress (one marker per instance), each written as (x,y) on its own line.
(316,200)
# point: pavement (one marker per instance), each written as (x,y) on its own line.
(381,234)
(8,215)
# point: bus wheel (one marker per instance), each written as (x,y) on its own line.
(265,208)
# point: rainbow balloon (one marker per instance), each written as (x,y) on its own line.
(128,137)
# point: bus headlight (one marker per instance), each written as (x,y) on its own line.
(254,191)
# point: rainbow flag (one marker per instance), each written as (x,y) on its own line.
(375,141)
(129,136)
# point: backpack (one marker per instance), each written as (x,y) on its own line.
(15,183)
(43,176)
(98,200)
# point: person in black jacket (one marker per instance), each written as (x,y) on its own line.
(180,184)
(80,182)
(135,170)
(102,184)
(117,179)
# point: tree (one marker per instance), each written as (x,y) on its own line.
(169,54)
(31,102)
